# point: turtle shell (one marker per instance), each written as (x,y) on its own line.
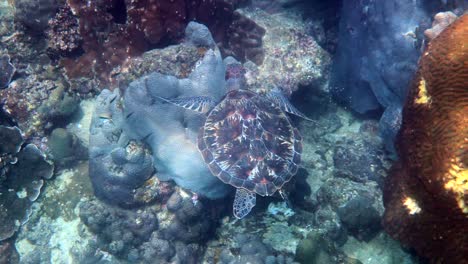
(249,142)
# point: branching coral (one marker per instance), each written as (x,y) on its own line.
(426,196)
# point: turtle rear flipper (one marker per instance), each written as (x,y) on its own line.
(201,104)
(279,99)
(243,203)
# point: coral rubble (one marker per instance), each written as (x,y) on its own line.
(426,194)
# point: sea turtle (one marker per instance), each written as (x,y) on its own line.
(248,141)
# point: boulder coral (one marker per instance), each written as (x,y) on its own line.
(426,195)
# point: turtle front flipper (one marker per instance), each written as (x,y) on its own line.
(279,99)
(243,203)
(201,104)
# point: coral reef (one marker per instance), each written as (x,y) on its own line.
(312,249)
(36,82)
(11,139)
(54,232)
(389,125)
(113,32)
(35,14)
(321,17)
(118,166)
(379,45)
(360,161)
(23,171)
(357,207)
(176,60)
(170,130)
(119,230)
(426,194)
(119,123)
(154,234)
(292,57)
(38,103)
(119,209)
(378,49)
(7,70)
(63,36)
(244,40)
(248,248)
(380,250)
(8,253)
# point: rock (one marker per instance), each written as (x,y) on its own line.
(61,144)
(360,160)
(35,14)
(292,57)
(6,71)
(10,139)
(312,250)
(360,217)
(357,206)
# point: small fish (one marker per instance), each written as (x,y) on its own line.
(129,115)
(147,136)
(105,115)
(194,199)
(113,99)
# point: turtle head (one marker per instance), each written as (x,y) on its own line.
(235,76)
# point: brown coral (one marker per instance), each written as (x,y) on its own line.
(115,31)
(426,196)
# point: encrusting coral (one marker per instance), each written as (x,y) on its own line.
(22,174)
(426,196)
